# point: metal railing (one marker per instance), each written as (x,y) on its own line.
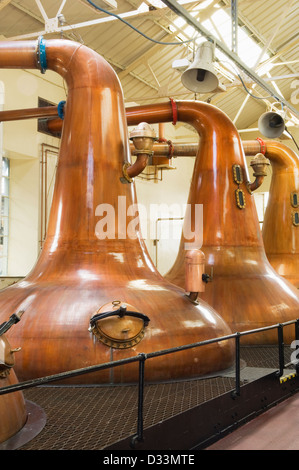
(142,358)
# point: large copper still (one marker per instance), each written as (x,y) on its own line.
(245,289)
(281,219)
(13,414)
(94,295)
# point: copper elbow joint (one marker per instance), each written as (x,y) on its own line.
(259,165)
(143,138)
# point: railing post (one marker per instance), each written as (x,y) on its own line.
(138,437)
(280,349)
(236,392)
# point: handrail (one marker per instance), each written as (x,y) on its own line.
(142,357)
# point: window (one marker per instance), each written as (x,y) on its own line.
(4,217)
(261,201)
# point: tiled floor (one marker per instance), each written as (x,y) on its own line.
(276,429)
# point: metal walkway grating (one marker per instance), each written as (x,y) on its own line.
(93,417)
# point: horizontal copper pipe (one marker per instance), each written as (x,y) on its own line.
(54,125)
(30,113)
(251,147)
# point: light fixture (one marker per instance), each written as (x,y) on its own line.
(200,76)
(272,123)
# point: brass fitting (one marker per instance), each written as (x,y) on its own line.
(259,165)
(143,138)
(7,360)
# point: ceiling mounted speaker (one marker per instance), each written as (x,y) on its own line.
(271,124)
(200,76)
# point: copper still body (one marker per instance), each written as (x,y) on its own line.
(94,295)
(13,414)
(281,219)
(246,290)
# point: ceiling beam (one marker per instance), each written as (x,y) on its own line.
(144,57)
(4,3)
(176,7)
(285,12)
(85,24)
(154,49)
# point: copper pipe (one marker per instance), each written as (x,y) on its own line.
(16,55)
(179,149)
(137,167)
(54,125)
(278,153)
(256,184)
(251,147)
(160,149)
(31,113)
(161,131)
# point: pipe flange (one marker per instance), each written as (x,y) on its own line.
(125,173)
(41,54)
(248,184)
(143,152)
(60,109)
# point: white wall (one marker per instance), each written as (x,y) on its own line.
(22,145)
(167,199)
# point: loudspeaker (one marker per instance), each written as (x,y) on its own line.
(200,76)
(271,124)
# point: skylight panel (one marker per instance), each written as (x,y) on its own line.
(220,26)
(189,31)
(179,22)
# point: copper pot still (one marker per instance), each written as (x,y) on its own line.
(94,295)
(13,414)
(281,224)
(281,220)
(245,289)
